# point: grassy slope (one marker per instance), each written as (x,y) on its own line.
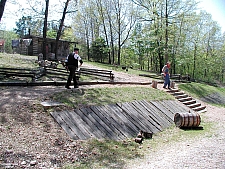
(201,91)
(17,61)
(102,96)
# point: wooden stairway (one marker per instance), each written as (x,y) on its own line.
(187,100)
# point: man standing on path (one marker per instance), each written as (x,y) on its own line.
(165,71)
(72,65)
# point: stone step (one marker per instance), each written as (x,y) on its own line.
(189,102)
(194,105)
(185,99)
(199,108)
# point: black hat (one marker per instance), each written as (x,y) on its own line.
(77,49)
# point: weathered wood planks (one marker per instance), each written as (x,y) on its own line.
(118,121)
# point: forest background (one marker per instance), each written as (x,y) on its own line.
(138,34)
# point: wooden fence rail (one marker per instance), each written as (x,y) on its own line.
(175,77)
(52,73)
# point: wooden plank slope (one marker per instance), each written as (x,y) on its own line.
(118,121)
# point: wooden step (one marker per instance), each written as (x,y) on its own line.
(181,96)
(172,90)
(199,108)
(195,105)
(177,93)
(185,99)
(202,111)
(189,102)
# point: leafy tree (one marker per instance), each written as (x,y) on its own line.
(122,16)
(99,50)
(68,34)
(37,27)
(26,23)
(128,58)
(86,25)
(8,37)
(112,20)
(51,33)
(59,32)
(23,25)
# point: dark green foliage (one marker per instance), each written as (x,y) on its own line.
(23,25)
(8,36)
(99,50)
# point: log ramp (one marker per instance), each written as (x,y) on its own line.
(119,121)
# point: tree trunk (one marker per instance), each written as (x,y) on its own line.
(87,42)
(166,35)
(160,57)
(112,50)
(194,64)
(99,4)
(2,7)
(119,42)
(45,30)
(60,29)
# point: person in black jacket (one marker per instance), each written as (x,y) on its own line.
(72,65)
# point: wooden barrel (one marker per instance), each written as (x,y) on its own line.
(187,119)
(154,84)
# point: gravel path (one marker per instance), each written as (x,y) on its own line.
(203,152)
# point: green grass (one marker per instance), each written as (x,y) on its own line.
(107,95)
(17,61)
(199,90)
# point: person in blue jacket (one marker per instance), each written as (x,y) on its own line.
(166,74)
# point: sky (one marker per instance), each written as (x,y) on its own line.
(12,12)
(215,7)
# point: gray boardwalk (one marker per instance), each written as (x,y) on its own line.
(119,121)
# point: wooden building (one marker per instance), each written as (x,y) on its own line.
(32,45)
